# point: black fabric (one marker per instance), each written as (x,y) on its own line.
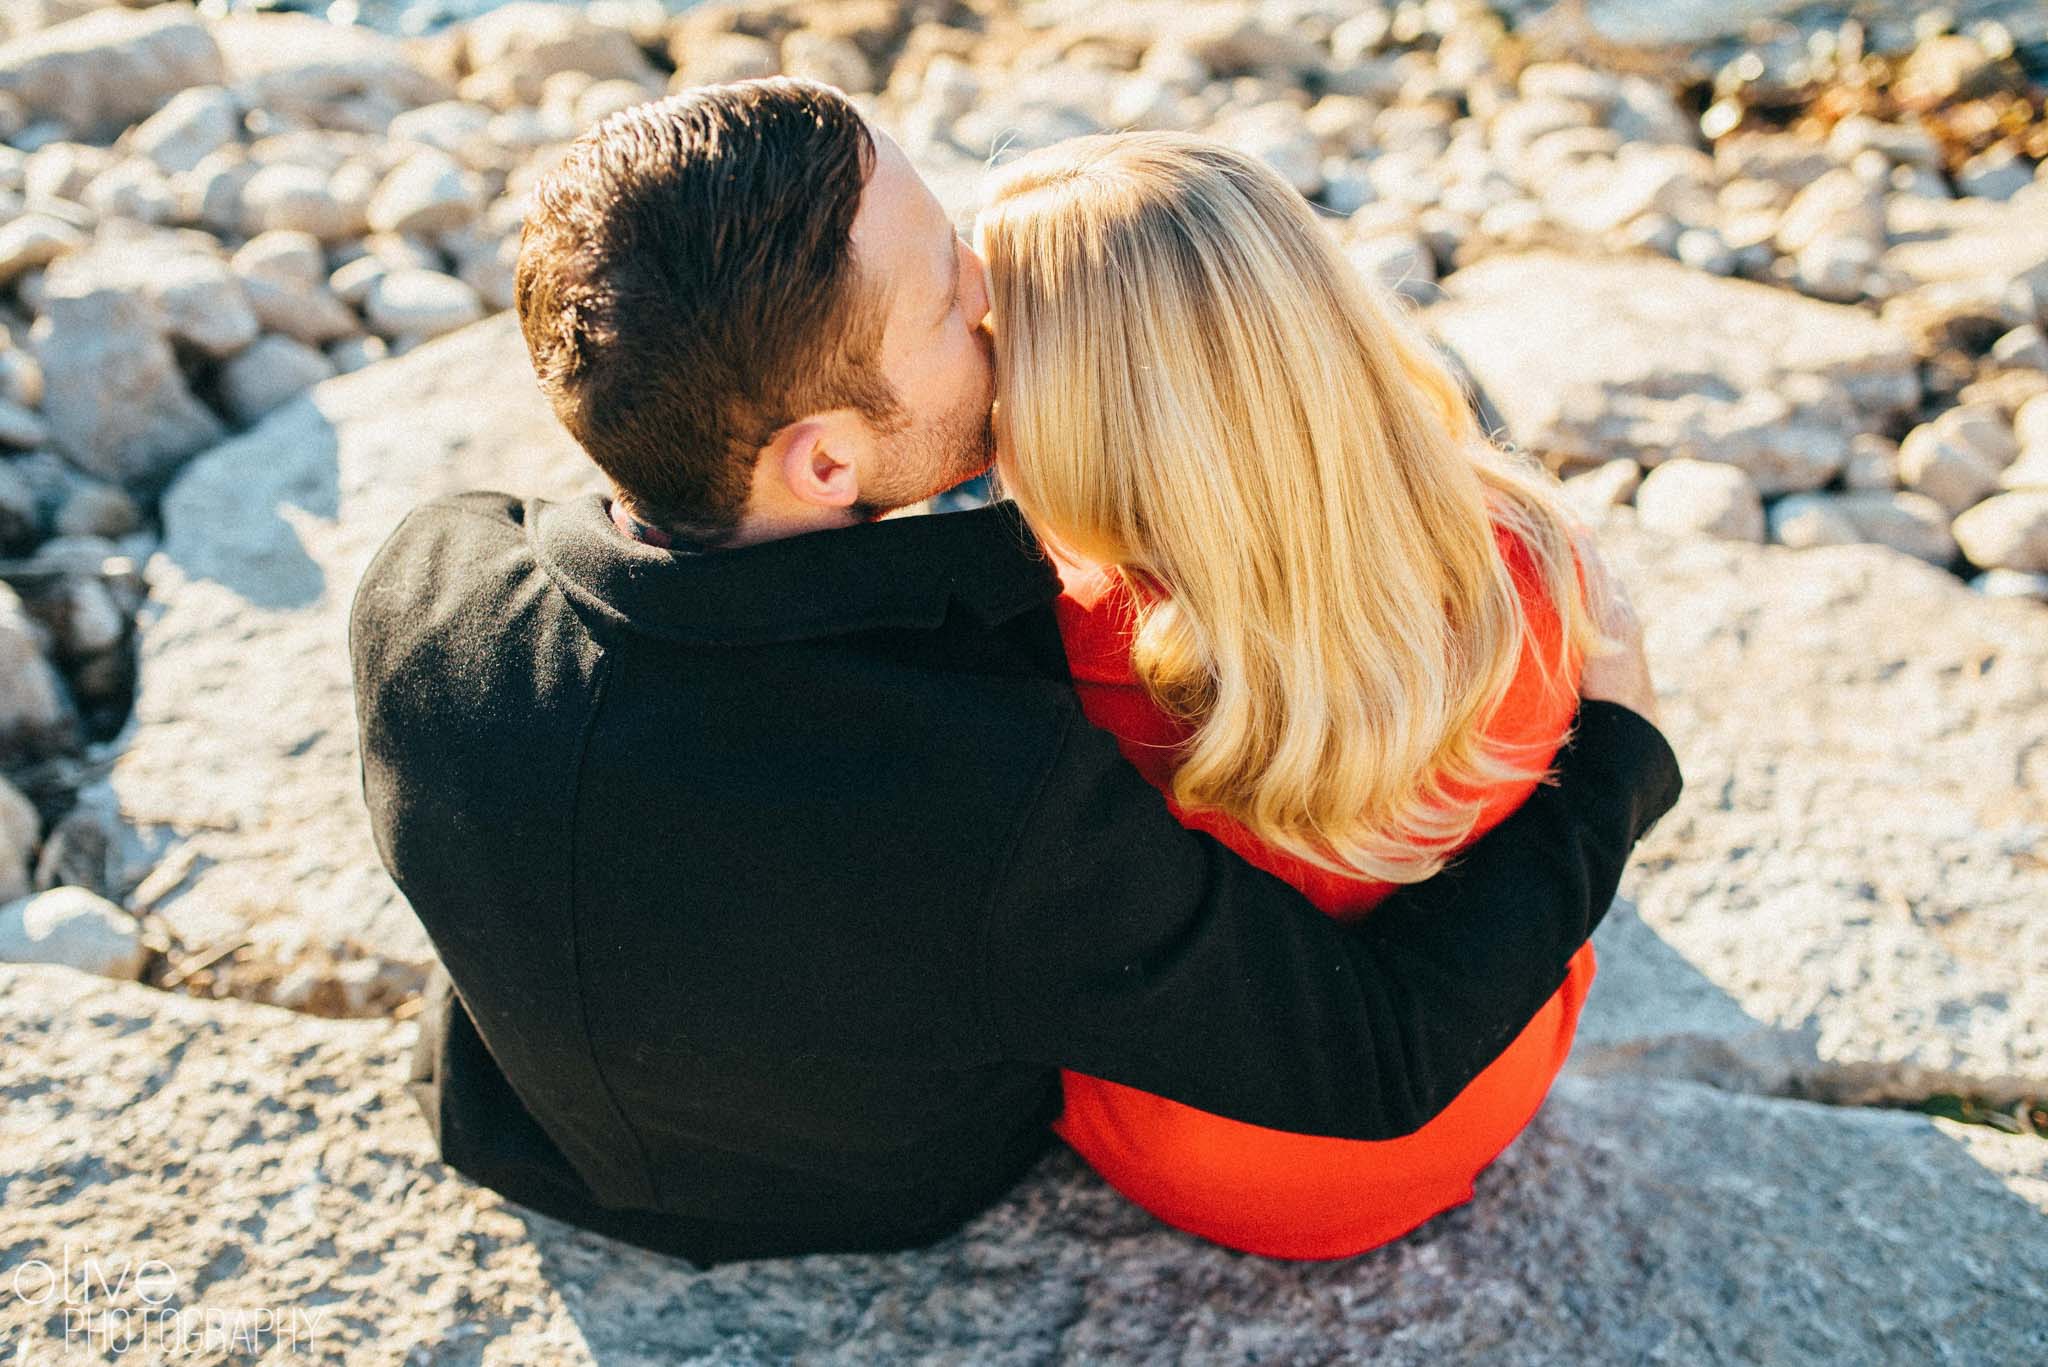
(773,884)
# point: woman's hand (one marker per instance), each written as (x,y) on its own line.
(1620,674)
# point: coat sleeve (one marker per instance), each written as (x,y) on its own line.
(1124,946)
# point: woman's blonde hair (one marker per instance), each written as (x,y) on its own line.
(1195,389)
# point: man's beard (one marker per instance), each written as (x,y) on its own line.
(933,460)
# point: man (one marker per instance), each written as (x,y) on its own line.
(772,865)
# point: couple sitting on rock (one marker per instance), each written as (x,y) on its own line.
(799,872)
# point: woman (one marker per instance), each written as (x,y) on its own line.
(1316,606)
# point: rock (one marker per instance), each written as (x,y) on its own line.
(192,126)
(36,718)
(242,752)
(34,240)
(210,194)
(516,47)
(2023,346)
(21,378)
(2007,532)
(1841,906)
(20,828)
(1402,262)
(290,198)
(21,427)
(417,303)
(1589,359)
(1955,460)
(337,1168)
(73,928)
(1703,249)
(2030,423)
(308,314)
(353,353)
(96,74)
(602,99)
(1276,135)
(113,394)
(1908,143)
(1911,524)
(273,370)
(19,509)
(486,263)
(1996,173)
(91,508)
(454,126)
(1786,159)
(1873,463)
(1682,496)
(197,297)
(812,56)
(288,258)
(318,74)
(1598,491)
(1597,197)
(1966,240)
(428,192)
(134,189)
(1804,520)
(1004,126)
(1945,68)
(722,57)
(2012,584)
(1834,268)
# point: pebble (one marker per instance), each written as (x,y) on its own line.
(2007,531)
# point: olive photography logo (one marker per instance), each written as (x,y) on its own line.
(115,1302)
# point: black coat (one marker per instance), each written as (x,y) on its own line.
(774,884)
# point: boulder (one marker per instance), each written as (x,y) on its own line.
(114,396)
(98,73)
(1844,903)
(269,1159)
(1588,359)
(240,765)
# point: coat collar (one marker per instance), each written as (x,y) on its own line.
(898,572)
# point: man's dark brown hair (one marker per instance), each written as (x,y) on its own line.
(687,287)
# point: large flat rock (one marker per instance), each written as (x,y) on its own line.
(241,762)
(270,1161)
(1587,359)
(1851,899)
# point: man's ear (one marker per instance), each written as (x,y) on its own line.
(814,466)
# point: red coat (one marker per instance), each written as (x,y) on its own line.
(1270,1191)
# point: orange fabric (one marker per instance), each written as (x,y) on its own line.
(1272,1192)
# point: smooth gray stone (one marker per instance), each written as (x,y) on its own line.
(269,1159)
